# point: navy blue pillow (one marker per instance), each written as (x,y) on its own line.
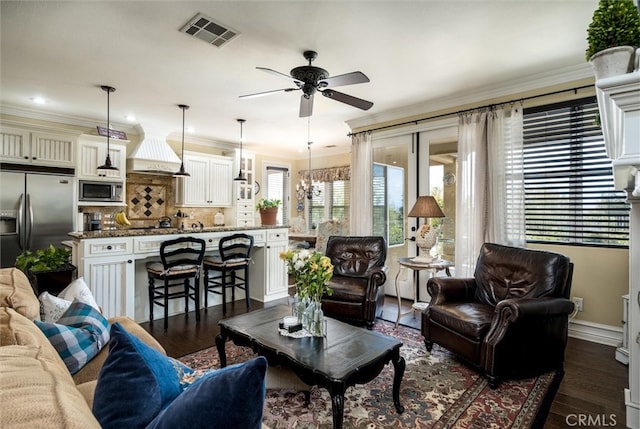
(135,383)
(140,387)
(232,397)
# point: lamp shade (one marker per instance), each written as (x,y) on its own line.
(426,206)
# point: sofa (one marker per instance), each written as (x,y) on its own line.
(36,388)
(137,380)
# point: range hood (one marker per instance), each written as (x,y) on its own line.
(153,155)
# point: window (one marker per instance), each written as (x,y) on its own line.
(316,206)
(388,203)
(569,192)
(278,188)
(331,203)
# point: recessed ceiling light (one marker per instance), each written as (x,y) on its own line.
(191,130)
(39,100)
(130,118)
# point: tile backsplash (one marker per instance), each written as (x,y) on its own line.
(151,197)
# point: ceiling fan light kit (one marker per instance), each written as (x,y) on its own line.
(311,79)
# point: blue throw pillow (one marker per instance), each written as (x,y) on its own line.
(78,335)
(232,397)
(140,387)
(135,383)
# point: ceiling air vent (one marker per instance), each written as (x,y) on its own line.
(204,28)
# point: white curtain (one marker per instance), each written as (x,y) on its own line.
(470,190)
(505,190)
(490,184)
(361,216)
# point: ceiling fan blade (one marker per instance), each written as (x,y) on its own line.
(260,94)
(343,79)
(282,75)
(348,99)
(306,105)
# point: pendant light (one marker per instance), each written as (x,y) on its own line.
(240,177)
(181,172)
(107,162)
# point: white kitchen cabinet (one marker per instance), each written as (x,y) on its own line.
(108,269)
(22,146)
(92,153)
(244,207)
(209,183)
(269,279)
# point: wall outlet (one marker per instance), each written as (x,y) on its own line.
(578,302)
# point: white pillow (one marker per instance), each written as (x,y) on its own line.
(79,289)
(52,307)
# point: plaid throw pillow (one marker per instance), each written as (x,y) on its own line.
(78,335)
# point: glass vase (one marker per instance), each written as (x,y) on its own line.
(313,319)
(299,306)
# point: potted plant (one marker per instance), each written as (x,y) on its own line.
(613,36)
(268,210)
(47,269)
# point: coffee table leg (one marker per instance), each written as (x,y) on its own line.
(220,340)
(337,406)
(399,366)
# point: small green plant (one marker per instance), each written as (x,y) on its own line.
(265,203)
(49,259)
(614,23)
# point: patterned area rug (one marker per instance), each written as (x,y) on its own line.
(437,391)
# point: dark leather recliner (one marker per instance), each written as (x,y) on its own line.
(511,319)
(359,272)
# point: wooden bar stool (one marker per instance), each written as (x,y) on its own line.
(181,261)
(234,256)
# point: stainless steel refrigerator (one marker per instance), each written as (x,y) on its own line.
(36,209)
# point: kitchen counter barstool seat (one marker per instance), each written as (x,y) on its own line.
(181,261)
(234,256)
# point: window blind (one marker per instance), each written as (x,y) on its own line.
(569,192)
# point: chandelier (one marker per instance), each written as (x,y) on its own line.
(307,189)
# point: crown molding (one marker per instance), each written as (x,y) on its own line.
(505,89)
(48,116)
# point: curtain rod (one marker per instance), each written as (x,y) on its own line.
(459,112)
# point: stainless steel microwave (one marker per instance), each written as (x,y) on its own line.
(100,191)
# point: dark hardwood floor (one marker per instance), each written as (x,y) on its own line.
(592,386)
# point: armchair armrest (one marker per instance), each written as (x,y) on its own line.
(376,277)
(536,307)
(451,289)
(510,311)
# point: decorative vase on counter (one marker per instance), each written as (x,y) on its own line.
(313,319)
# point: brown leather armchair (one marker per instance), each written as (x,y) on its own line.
(511,319)
(358,274)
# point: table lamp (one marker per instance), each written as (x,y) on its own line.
(426,207)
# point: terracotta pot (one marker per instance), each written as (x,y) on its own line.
(268,216)
(612,61)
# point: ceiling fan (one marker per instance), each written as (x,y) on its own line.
(311,79)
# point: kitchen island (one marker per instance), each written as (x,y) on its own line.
(112,264)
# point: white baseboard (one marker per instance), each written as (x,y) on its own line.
(596,332)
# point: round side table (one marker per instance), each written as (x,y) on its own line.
(433,267)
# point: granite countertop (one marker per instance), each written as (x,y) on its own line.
(143,232)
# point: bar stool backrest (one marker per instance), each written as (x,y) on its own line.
(235,247)
(182,251)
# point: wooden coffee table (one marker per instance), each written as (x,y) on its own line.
(348,355)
